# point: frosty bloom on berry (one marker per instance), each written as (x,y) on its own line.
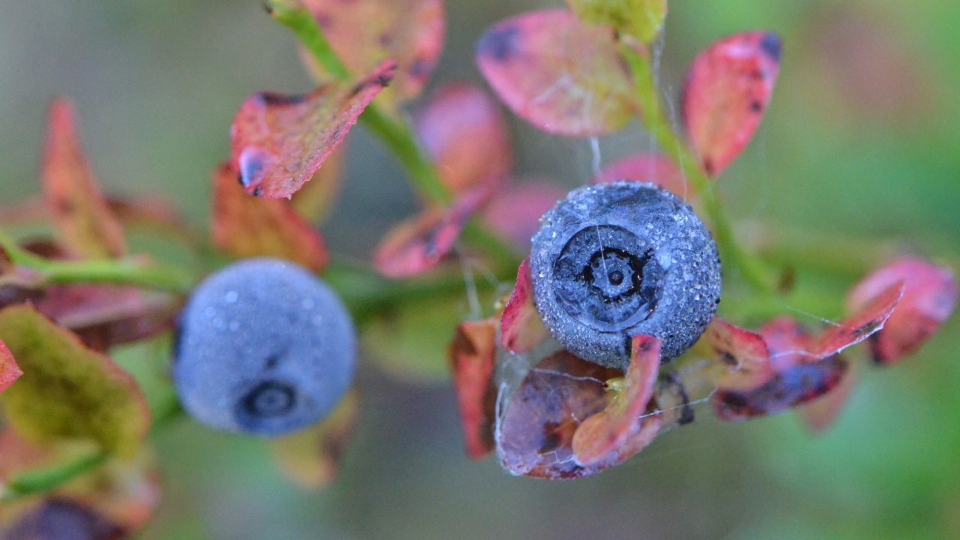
(616,260)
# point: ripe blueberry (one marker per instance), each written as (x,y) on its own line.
(264,347)
(619,259)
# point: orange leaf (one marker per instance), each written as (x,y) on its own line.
(278,142)
(603,436)
(77,208)
(553,71)
(521,328)
(364,33)
(246,226)
(473,362)
(726,93)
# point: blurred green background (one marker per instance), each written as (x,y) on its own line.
(863,137)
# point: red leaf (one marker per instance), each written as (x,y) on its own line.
(473,362)
(514,212)
(725,94)
(647,167)
(78,209)
(364,33)
(735,347)
(9,370)
(553,71)
(929,298)
(466,137)
(861,325)
(278,142)
(420,243)
(603,436)
(246,226)
(535,433)
(521,328)
(822,412)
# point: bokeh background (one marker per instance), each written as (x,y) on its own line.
(863,138)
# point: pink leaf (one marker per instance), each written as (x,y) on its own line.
(278,142)
(364,33)
(9,370)
(556,73)
(602,437)
(419,244)
(514,212)
(726,93)
(472,358)
(861,325)
(462,130)
(929,298)
(647,167)
(521,328)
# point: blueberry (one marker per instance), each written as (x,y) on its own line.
(264,348)
(615,260)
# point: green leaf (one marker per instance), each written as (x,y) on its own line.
(640,19)
(68,390)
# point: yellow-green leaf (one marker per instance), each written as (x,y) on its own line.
(640,19)
(68,390)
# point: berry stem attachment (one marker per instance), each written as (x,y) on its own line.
(128,271)
(650,113)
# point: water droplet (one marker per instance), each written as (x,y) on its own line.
(307,303)
(252,163)
(230,297)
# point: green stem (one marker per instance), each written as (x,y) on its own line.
(650,112)
(43,480)
(120,272)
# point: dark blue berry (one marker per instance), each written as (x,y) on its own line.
(619,259)
(264,348)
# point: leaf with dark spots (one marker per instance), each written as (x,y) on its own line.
(858,327)
(563,77)
(521,328)
(638,19)
(789,388)
(514,211)
(466,137)
(277,145)
(820,413)
(603,437)
(535,433)
(735,347)
(103,315)
(647,167)
(726,91)
(68,390)
(365,32)
(473,362)
(420,243)
(929,298)
(312,458)
(9,370)
(75,204)
(246,226)
(315,199)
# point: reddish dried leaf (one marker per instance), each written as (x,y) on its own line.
(535,433)
(76,206)
(647,167)
(521,328)
(9,370)
(103,316)
(473,362)
(553,71)
(420,243)
(784,390)
(601,437)
(861,325)
(316,197)
(639,19)
(514,212)
(246,226)
(726,93)
(822,412)
(466,137)
(68,390)
(311,458)
(929,298)
(278,142)
(364,33)
(735,347)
